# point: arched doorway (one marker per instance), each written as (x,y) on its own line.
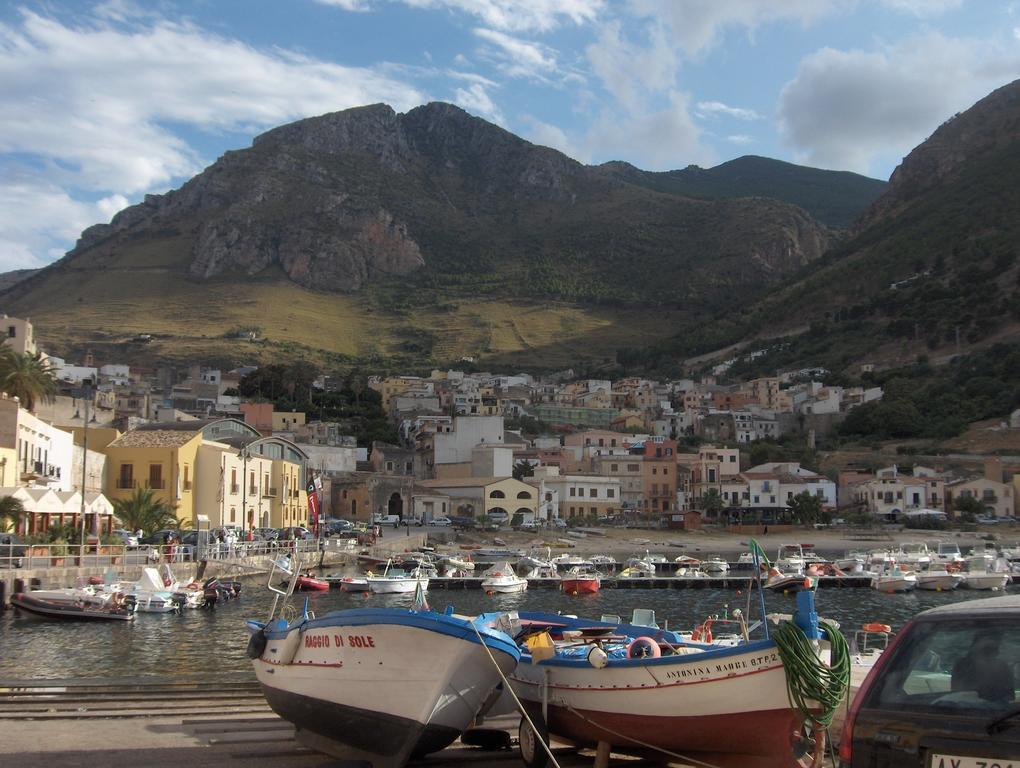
(395,506)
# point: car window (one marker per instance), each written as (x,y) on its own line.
(971,665)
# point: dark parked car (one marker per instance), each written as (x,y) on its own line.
(463,523)
(12,551)
(159,538)
(944,694)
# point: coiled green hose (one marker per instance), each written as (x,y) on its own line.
(808,679)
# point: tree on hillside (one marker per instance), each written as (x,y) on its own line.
(12,512)
(806,508)
(968,507)
(26,377)
(142,510)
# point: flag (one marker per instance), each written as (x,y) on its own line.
(762,557)
(420,603)
(313,503)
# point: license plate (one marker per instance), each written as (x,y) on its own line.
(956,761)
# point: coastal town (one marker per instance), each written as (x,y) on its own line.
(512,449)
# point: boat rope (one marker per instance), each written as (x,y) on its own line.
(509,689)
(808,678)
(684,758)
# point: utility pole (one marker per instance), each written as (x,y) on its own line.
(86,396)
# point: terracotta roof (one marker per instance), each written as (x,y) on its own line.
(154,438)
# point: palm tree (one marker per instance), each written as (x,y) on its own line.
(27,377)
(12,511)
(142,511)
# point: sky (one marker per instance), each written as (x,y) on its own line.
(104,102)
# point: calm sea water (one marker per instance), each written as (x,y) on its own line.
(203,645)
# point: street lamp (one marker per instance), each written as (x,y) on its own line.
(244,454)
(86,395)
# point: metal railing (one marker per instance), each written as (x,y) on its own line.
(103,556)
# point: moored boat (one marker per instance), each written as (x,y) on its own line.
(309,583)
(580,581)
(381,685)
(390,583)
(938,579)
(502,578)
(71,610)
(650,692)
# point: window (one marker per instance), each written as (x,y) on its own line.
(389,466)
(614,467)
(233,482)
(655,471)
(593,493)
(610,493)
(594,510)
(655,488)
(573,491)
(497,494)
(633,467)
(126,479)
(665,470)
(187,478)
(156,476)
(524,495)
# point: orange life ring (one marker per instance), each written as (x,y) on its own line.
(643,647)
(875,627)
(703,632)
(953,567)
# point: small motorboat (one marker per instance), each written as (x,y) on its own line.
(115,610)
(603,561)
(502,578)
(785,582)
(937,578)
(391,583)
(581,581)
(308,583)
(715,566)
(894,580)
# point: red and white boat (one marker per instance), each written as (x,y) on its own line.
(308,583)
(581,581)
(649,692)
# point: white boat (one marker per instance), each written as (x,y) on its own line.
(636,687)
(790,558)
(566,561)
(150,595)
(894,580)
(947,552)
(985,573)
(603,561)
(914,554)
(543,572)
(391,583)
(714,566)
(502,578)
(379,685)
(937,579)
(784,582)
(637,572)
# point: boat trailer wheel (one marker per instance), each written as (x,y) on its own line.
(533,754)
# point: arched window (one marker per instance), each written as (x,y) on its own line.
(524,495)
(497,494)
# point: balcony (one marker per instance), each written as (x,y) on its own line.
(186,485)
(269,492)
(235,488)
(125,483)
(157,483)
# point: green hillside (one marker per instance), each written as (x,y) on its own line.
(836,198)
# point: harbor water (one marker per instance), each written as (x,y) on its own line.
(210,644)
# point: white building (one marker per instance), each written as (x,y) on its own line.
(455,447)
(45,454)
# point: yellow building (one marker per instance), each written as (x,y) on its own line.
(161,459)
(392,386)
(487,495)
(220,469)
(287,421)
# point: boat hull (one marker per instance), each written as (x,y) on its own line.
(380,685)
(938,582)
(388,586)
(573,586)
(986,581)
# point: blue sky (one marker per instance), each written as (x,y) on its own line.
(104,102)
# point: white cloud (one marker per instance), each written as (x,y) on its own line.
(546,135)
(713,108)
(852,109)
(656,140)
(1016,33)
(38,218)
(740,139)
(100,104)
(356,6)
(475,99)
(522,15)
(516,57)
(631,71)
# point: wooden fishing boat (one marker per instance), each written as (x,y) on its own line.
(649,692)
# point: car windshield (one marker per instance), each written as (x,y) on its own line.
(967,666)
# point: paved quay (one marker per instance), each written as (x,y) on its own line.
(154,723)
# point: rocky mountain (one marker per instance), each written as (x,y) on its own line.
(15,276)
(836,198)
(433,209)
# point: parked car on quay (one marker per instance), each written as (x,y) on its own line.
(463,522)
(12,551)
(441,521)
(295,532)
(944,694)
(130,539)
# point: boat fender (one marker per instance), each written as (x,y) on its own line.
(874,627)
(643,647)
(598,658)
(256,645)
(703,632)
